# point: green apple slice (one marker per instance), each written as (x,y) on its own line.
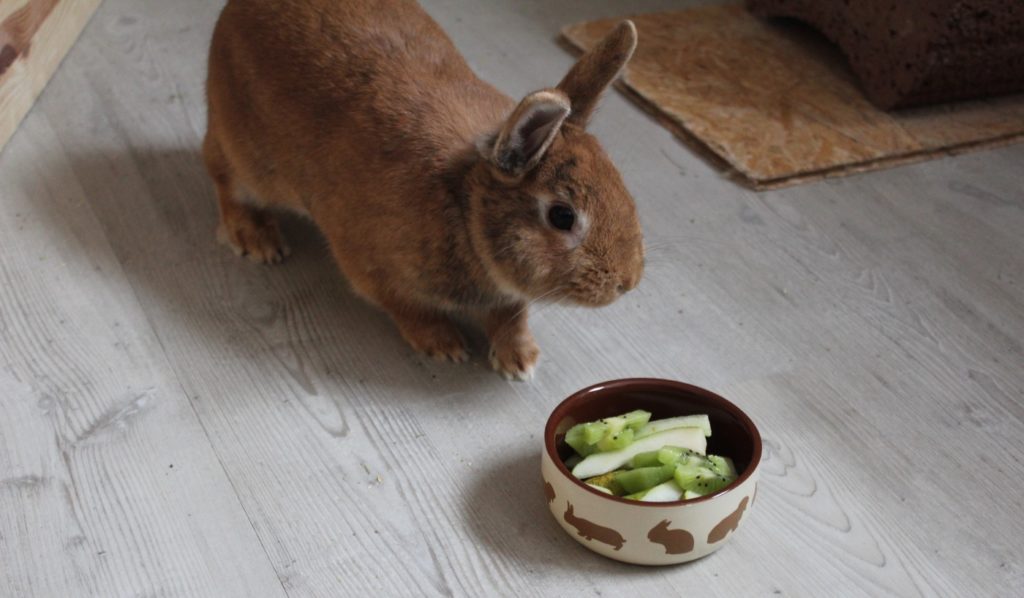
(684,421)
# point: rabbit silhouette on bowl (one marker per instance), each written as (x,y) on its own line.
(439,195)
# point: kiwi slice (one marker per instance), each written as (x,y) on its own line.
(575,438)
(594,431)
(723,466)
(667,455)
(637,419)
(608,434)
(643,478)
(700,479)
(614,442)
(646,459)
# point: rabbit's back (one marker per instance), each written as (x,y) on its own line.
(341,93)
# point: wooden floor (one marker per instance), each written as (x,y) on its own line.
(175,421)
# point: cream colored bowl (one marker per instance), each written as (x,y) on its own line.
(641,532)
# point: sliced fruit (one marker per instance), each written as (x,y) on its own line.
(665,492)
(601,463)
(632,420)
(608,482)
(644,478)
(600,488)
(614,442)
(692,458)
(687,475)
(637,419)
(647,459)
(575,438)
(608,434)
(614,425)
(594,431)
(723,466)
(683,421)
(699,479)
(711,486)
(669,455)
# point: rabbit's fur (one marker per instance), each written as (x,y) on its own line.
(432,187)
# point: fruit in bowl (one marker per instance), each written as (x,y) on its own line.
(650,471)
(662,460)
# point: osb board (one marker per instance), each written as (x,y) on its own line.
(778,104)
(34,37)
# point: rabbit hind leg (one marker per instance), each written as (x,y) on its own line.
(428,331)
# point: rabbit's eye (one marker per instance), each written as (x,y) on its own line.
(561,216)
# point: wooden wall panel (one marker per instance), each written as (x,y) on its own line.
(34,37)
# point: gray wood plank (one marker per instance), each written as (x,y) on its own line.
(108,483)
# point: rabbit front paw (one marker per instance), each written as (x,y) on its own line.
(515,359)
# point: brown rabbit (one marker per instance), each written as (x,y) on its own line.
(437,194)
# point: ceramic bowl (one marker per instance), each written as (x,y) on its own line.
(649,533)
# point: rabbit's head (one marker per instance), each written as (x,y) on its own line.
(548,211)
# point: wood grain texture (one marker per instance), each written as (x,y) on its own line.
(793,114)
(871,325)
(108,484)
(34,37)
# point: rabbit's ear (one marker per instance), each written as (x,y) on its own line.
(596,70)
(528,132)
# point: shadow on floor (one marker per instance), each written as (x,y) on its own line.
(157,209)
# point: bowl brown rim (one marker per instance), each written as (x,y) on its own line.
(559,413)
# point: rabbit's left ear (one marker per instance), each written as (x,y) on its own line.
(595,71)
(528,132)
